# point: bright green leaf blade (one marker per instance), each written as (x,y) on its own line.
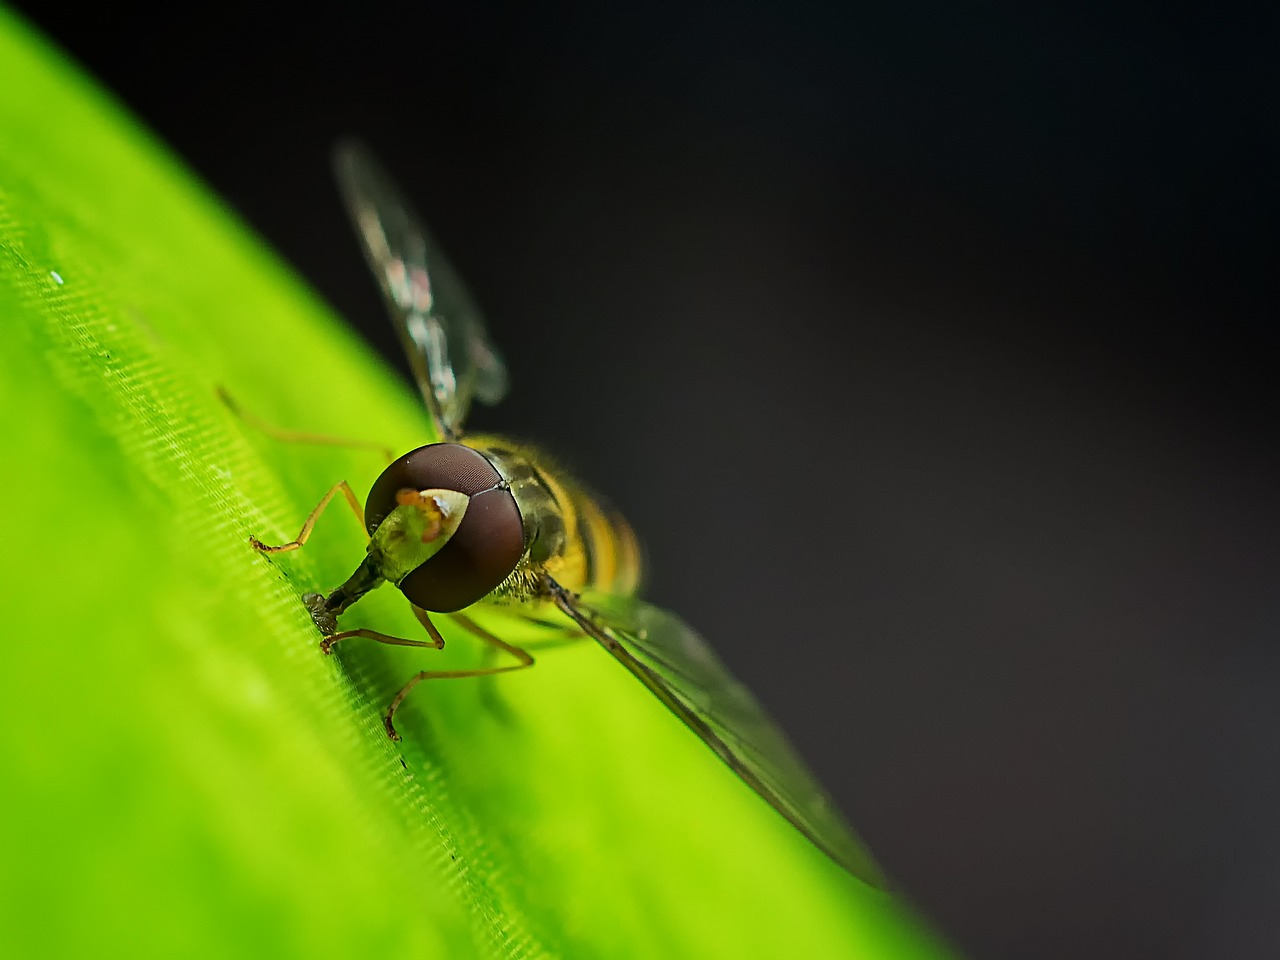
(183,772)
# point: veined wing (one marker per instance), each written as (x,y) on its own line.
(680,669)
(440,326)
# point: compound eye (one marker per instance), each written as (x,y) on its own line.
(481,554)
(487,544)
(437,466)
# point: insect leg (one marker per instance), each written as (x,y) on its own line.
(340,487)
(558,636)
(471,627)
(564,638)
(326,645)
(298,436)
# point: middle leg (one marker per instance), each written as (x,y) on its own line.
(523,657)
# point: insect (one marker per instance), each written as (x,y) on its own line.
(482,520)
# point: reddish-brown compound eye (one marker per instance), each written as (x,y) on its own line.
(481,554)
(487,544)
(437,466)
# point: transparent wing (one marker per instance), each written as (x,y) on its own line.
(677,665)
(440,326)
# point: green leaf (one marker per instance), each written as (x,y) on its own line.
(183,772)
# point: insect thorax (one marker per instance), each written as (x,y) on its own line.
(568,535)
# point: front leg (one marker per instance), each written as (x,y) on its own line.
(298,436)
(305,533)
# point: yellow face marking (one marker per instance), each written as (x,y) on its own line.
(441,510)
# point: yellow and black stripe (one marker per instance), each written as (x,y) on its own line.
(569,534)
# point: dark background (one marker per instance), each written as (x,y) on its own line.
(929,346)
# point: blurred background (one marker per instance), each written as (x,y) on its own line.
(929,347)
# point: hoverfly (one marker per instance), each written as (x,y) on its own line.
(484,520)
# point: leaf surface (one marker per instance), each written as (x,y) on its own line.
(184,773)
